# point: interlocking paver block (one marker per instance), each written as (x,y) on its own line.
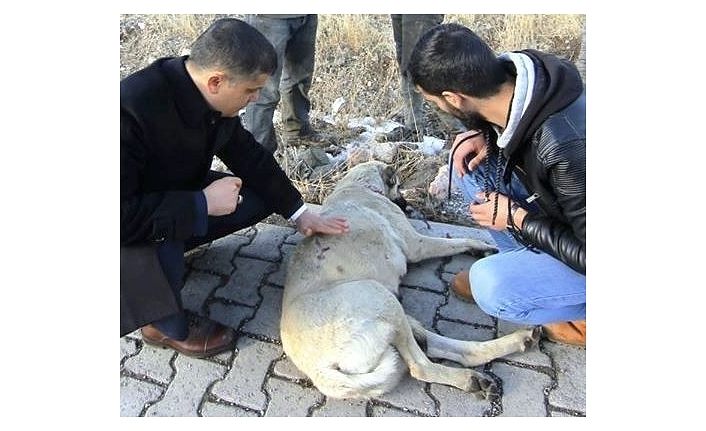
(457,309)
(152,362)
(278,277)
(290,399)
(341,408)
(383,411)
(243,383)
(423,274)
(134,394)
(197,288)
(128,346)
(222,410)
(458,263)
(218,256)
(266,243)
(570,365)
(455,402)
(286,368)
(187,389)
(294,238)
(245,281)
(267,317)
(420,304)
(462,331)
(410,394)
(523,390)
(229,314)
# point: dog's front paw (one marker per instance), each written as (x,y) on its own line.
(532,338)
(482,249)
(483,387)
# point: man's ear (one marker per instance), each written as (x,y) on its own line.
(215,80)
(454,99)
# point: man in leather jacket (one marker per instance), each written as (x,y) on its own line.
(522,164)
(175,115)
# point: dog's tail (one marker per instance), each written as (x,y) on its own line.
(337,383)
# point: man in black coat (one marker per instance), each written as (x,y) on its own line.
(175,115)
(522,165)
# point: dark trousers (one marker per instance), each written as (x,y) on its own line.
(406,30)
(171,253)
(294,40)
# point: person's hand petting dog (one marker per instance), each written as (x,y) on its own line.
(310,223)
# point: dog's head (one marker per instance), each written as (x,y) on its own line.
(380,178)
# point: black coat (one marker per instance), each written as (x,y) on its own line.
(168,138)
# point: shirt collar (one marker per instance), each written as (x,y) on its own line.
(191,105)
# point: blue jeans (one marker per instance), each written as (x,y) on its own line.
(517,284)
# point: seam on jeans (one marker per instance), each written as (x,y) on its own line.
(513,304)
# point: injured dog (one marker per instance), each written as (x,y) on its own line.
(342,324)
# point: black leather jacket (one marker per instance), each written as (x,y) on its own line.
(553,166)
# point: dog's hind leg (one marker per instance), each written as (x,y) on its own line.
(473,353)
(420,367)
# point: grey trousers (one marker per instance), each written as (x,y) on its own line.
(407,29)
(294,41)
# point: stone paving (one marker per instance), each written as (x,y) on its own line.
(238,281)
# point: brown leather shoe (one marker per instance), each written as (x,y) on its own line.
(205,339)
(573,332)
(461,286)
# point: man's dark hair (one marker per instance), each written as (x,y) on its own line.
(236,47)
(450,57)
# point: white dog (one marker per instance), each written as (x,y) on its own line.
(342,324)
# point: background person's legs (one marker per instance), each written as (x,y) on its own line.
(257,118)
(297,73)
(406,30)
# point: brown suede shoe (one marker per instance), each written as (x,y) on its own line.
(461,286)
(573,333)
(205,339)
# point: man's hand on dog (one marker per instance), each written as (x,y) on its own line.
(310,223)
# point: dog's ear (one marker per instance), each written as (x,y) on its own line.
(390,176)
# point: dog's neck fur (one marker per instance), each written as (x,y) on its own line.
(374,188)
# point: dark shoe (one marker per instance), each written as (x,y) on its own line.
(461,286)
(404,134)
(207,338)
(308,138)
(573,332)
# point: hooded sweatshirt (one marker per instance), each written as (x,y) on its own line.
(548,152)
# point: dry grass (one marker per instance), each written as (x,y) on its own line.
(355,54)
(355,59)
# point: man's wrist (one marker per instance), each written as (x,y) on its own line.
(517,216)
(297,213)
